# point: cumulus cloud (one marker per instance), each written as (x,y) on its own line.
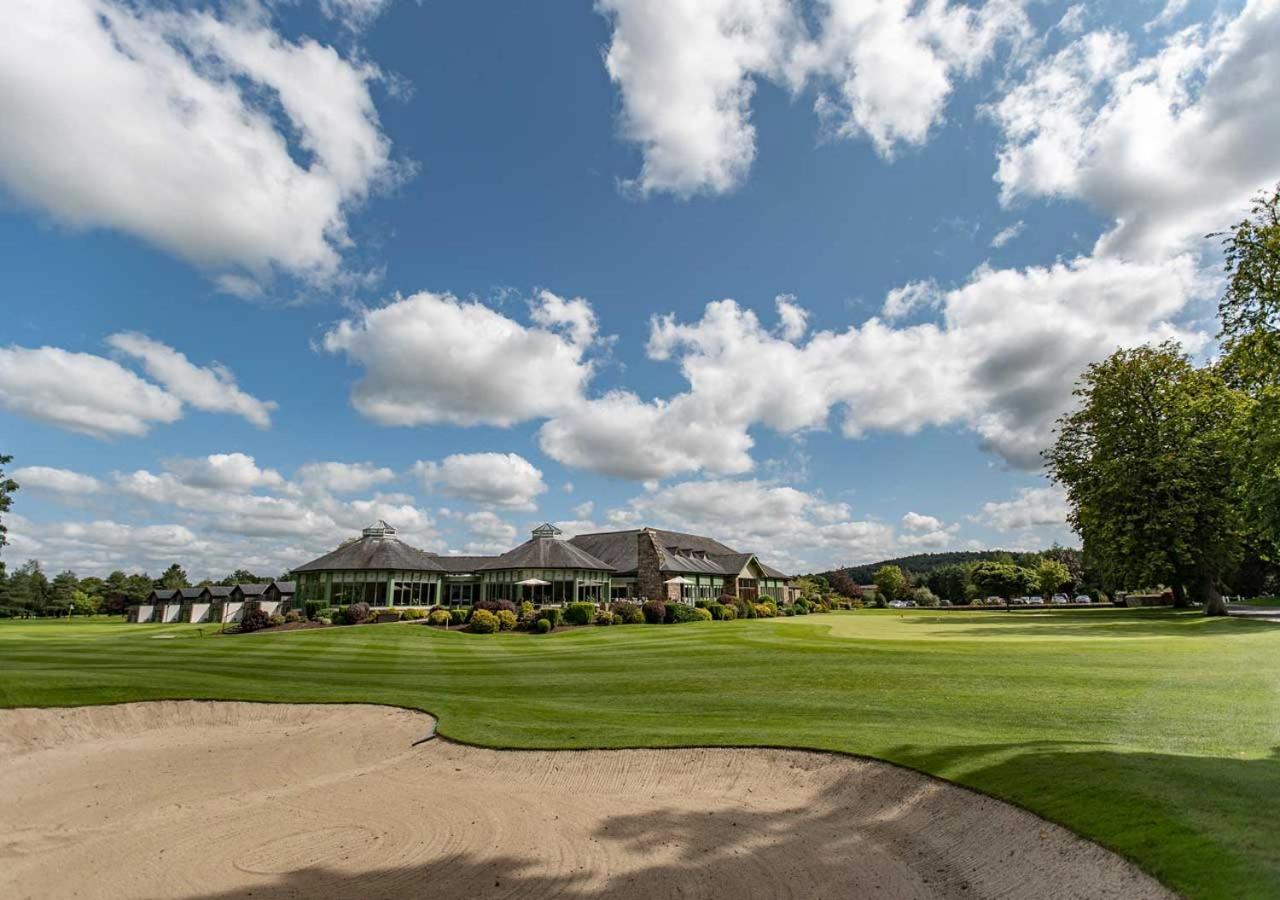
(686,71)
(1167,146)
(433,358)
(344,478)
(914,521)
(505,480)
(1030,508)
(490,534)
(212,389)
(62,481)
(176,126)
(225,471)
(81,392)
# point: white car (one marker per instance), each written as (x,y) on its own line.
(1019,601)
(1060,598)
(897,604)
(1082,598)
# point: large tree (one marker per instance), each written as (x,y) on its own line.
(7,487)
(890,582)
(1250,313)
(1051,575)
(1150,461)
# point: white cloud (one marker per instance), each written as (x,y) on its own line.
(1073,20)
(62,481)
(1172,9)
(1169,146)
(1030,508)
(505,480)
(344,478)
(793,319)
(894,63)
(686,71)
(176,126)
(490,534)
(212,389)
(225,471)
(1008,233)
(433,358)
(914,521)
(575,316)
(81,392)
(915,295)
(356,15)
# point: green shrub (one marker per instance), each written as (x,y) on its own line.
(254,620)
(526,611)
(728,613)
(627,613)
(924,597)
(765,612)
(312,608)
(413,613)
(604,617)
(275,620)
(458,615)
(655,612)
(542,626)
(700,615)
(438,617)
(551,614)
(765,598)
(506,620)
(801,607)
(484,622)
(579,613)
(679,612)
(787,611)
(324,620)
(716,610)
(293,615)
(325,612)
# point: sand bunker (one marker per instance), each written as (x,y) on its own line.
(235,799)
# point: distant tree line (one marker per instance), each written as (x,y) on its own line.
(960,578)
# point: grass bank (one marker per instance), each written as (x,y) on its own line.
(1152,731)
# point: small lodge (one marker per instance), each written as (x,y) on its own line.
(381,570)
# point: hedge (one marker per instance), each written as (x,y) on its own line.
(579,613)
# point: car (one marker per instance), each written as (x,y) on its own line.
(1019,601)
(1082,598)
(898,604)
(1059,598)
(993,601)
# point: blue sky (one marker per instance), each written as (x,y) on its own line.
(815,278)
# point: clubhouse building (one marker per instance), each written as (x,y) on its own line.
(546,570)
(639,564)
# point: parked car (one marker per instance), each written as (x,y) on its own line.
(897,604)
(1060,598)
(1083,598)
(1019,601)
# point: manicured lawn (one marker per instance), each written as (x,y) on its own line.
(1152,731)
(1262,601)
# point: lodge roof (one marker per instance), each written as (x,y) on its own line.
(220,591)
(376,549)
(252,590)
(545,551)
(680,553)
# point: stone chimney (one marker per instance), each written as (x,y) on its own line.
(648,562)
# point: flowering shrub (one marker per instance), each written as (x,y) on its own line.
(357,613)
(494,606)
(438,617)
(254,620)
(765,612)
(483,622)
(604,617)
(506,619)
(655,612)
(526,611)
(728,613)
(626,613)
(276,619)
(293,615)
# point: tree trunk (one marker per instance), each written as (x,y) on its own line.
(1208,594)
(1180,596)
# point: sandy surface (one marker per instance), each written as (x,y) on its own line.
(234,800)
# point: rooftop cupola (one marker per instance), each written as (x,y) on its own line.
(378,529)
(547,530)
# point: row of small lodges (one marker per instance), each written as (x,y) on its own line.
(213,603)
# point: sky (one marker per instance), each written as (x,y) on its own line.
(812,278)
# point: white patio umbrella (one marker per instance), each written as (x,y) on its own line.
(534,582)
(679,579)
